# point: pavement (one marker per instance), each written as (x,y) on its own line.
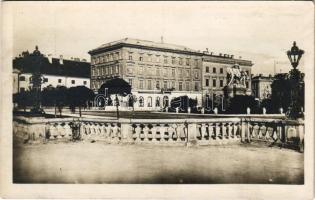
(85,162)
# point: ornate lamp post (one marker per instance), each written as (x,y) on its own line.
(296,81)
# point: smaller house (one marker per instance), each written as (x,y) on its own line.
(261,86)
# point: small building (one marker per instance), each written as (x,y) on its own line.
(55,72)
(261,86)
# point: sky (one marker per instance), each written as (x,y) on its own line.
(258,31)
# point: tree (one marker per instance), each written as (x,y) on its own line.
(240,103)
(78,97)
(281,93)
(23,99)
(115,86)
(61,98)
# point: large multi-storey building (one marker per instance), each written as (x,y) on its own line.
(261,86)
(159,72)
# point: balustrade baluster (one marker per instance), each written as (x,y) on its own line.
(137,133)
(146,132)
(153,132)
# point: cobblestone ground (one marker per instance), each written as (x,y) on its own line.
(98,162)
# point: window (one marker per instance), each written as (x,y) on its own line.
(221,83)
(141,101)
(141,84)
(196,62)
(59,80)
(214,70)
(221,70)
(149,84)
(165,101)
(180,61)
(130,81)
(164,71)
(173,72)
(196,86)
(157,71)
(130,57)
(72,81)
(187,86)
(196,74)
(180,86)
(45,80)
(84,82)
(117,55)
(116,69)
(157,102)
(247,85)
(173,60)
(207,82)
(140,58)
(22,89)
(180,72)
(214,83)
(149,102)
(22,78)
(187,61)
(157,84)
(165,84)
(140,69)
(106,70)
(157,58)
(165,60)
(207,69)
(173,84)
(187,72)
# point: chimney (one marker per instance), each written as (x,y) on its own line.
(61,60)
(49,58)
(162,40)
(232,56)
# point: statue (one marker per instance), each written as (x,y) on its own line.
(236,76)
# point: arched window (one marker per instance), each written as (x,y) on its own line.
(165,101)
(157,102)
(149,102)
(141,101)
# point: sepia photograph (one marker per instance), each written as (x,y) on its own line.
(160,94)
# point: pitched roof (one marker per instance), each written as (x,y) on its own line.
(69,68)
(145,43)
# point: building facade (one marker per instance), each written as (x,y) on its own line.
(261,86)
(159,72)
(55,72)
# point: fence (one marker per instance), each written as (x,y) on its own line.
(214,131)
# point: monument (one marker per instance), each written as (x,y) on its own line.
(236,82)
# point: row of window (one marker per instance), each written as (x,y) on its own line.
(106,70)
(149,85)
(214,70)
(105,58)
(214,83)
(165,59)
(45,80)
(166,71)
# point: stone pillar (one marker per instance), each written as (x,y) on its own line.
(215,110)
(177,109)
(126,133)
(248,110)
(202,110)
(192,133)
(281,110)
(189,110)
(264,110)
(243,131)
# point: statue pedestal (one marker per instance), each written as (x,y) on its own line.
(232,90)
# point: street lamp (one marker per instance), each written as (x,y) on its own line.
(294,55)
(296,82)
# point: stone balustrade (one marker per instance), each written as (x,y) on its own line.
(165,131)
